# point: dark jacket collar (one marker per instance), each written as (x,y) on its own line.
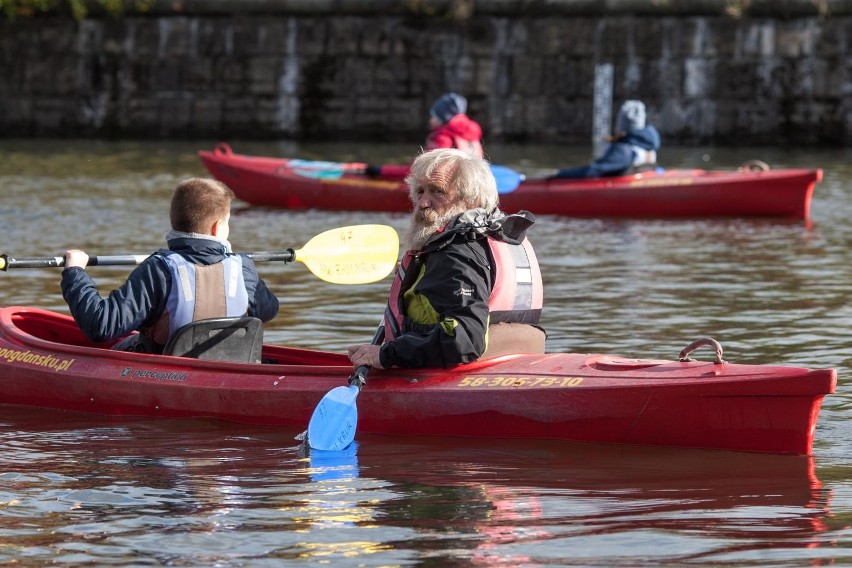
(475,224)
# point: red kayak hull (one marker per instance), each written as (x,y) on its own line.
(46,362)
(783,193)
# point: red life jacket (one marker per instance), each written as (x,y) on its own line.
(460,132)
(516,295)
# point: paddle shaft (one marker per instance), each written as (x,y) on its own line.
(7,262)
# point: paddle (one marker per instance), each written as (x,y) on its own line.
(507,179)
(357,254)
(333,423)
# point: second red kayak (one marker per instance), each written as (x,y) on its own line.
(676,193)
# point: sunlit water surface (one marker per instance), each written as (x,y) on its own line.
(84,491)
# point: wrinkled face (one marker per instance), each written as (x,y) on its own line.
(436,195)
(436,202)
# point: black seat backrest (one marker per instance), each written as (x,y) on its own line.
(219,339)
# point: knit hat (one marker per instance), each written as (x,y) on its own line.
(631,116)
(447,106)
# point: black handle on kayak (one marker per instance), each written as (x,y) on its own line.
(359,377)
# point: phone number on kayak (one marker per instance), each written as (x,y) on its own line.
(555,382)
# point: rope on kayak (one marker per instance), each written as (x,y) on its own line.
(704,341)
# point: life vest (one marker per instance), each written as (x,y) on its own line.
(200,292)
(516,296)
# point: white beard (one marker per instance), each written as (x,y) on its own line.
(425,223)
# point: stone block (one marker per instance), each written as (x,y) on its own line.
(377,37)
(560,36)
(312,36)
(16,114)
(230,74)
(143,37)
(797,38)
(263,75)
(831,41)
(699,78)
(175,114)
(238,114)
(54,114)
(140,116)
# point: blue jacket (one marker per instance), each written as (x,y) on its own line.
(618,156)
(140,301)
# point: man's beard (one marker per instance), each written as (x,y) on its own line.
(426,222)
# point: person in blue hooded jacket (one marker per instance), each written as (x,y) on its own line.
(196,277)
(634,144)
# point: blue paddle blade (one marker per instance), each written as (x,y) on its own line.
(333,423)
(507,179)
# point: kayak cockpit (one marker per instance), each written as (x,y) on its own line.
(50,331)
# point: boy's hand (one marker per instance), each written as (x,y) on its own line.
(76,257)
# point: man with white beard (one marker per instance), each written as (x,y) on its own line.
(469,284)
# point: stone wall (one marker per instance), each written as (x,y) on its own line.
(722,72)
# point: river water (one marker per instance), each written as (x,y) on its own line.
(86,491)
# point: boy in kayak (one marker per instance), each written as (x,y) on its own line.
(197,277)
(449,127)
(634,144)
(469,285)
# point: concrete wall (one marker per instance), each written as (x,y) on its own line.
(710,71)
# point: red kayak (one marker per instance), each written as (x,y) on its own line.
(46,362)
(304,184)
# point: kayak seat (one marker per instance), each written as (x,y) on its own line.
(219,339)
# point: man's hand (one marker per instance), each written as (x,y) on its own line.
(366,354)
(76,257)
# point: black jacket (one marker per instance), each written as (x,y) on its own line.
(454,275)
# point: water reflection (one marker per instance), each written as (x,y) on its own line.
(333,465)
(220,492)
(515,497)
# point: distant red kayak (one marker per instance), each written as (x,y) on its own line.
(46,362)
(303,184)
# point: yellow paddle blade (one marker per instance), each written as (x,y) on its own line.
(357,254)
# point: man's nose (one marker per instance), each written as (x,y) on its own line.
(425,201)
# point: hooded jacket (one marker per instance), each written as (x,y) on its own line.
(141,300)
(635,147)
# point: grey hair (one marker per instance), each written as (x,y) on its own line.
(470,176)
